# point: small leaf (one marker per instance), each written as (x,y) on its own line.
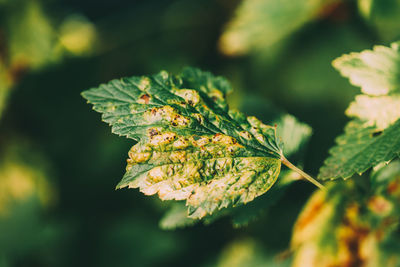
(190,146)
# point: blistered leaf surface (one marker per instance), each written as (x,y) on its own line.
(294,135)
(190,145)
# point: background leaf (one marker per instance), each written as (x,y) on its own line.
(372,137)
(382,16)
(254,26)
(351,224)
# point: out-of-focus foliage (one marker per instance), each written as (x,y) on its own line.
(248,252)
(78,35)
(25,194)
(350,224)
(20,183)
(383,16)
(176,217)
(372,137)
(30,40)
(260,24)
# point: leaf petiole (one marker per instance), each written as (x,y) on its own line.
(302,173)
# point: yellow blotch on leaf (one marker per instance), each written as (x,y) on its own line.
(162,139)
(191,97)
(379,111)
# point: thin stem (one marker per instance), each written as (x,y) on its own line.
(305,175)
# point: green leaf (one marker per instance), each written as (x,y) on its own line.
(382,16)
(190,146)
(260,24)
(374,135)
(24,24)
(360,148)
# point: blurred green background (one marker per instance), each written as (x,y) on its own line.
(59,163)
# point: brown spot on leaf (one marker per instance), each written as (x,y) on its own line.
(145,98)
(153,132)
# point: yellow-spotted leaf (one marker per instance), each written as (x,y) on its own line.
(190,146)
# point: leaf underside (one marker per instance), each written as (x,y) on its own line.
(374,134)
(190,145)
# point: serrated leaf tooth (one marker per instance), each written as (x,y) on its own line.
(236,200)
(195,212)
(225,203)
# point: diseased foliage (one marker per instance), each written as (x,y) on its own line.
(190,145)
(295,136)
(373,136)
(347,225)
